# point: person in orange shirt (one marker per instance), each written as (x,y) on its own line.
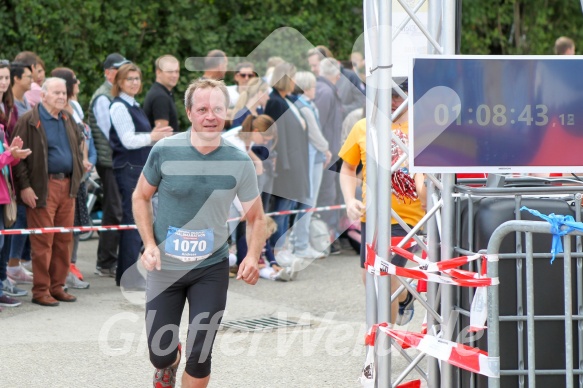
(353,152)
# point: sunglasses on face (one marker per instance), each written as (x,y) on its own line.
(246,75)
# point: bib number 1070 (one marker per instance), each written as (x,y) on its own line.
(189,246)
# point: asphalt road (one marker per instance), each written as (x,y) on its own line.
(99,341)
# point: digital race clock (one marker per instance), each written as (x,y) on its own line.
(496,113)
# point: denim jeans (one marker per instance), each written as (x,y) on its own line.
(3,260)
(16,246)
(130,240)
(281,204)
(302,222)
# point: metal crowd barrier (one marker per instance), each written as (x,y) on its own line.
(526,316)
(528,365)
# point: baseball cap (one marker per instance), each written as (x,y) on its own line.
(114,60)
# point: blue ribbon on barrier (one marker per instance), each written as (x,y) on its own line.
(557,223)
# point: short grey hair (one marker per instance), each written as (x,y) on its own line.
(305,80)
(329,67)
(51,80)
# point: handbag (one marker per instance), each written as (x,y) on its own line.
(10,207)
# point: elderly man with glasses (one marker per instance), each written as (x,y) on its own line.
(47,183)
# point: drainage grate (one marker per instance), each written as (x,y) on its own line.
(260,324)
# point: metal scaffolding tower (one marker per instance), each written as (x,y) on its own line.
(380,34)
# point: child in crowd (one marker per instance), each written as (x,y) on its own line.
(268,267)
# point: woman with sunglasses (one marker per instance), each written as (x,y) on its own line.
(131,138)
(244,72)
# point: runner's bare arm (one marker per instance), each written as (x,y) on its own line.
(249,268)
(142,209)
(348,183)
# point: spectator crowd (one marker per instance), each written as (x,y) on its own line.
(289,122)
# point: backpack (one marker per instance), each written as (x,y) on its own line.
(319,235)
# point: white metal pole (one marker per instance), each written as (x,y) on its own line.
(383,183)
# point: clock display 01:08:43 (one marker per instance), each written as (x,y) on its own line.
(497,115)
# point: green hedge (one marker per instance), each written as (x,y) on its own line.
(519,26)
(79,34)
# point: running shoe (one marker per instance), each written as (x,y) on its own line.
(295,267)
(284,258)
(335,248)
(282,276)
(27,265)
(309,253)
(73,281)
(20,276)
(10,289)
(75,271)
(166,378)
(109,272)
(7,301)
(406,310)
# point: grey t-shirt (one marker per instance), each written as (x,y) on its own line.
(22,106)
(195,192)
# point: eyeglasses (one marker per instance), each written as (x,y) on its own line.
(171,71)
(246,75)
(133,79)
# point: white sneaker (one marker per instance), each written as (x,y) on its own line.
(20,276)
(27,266)
(282,276)
(284,258)
(309,253)
(74,282)
(9,288)
(296,266)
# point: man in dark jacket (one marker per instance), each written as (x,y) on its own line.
(350,88)
(100,123)
(331,113)
(47,183)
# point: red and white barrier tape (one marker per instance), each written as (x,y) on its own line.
(107,228)
(380,267)
(288,212)
(471,359)
(479,307)
(59,229)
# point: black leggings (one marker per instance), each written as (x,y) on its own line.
(396,231)
(166,294)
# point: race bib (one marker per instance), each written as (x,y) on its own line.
(189,245)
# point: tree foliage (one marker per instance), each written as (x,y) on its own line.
(80,33)
(518,26)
